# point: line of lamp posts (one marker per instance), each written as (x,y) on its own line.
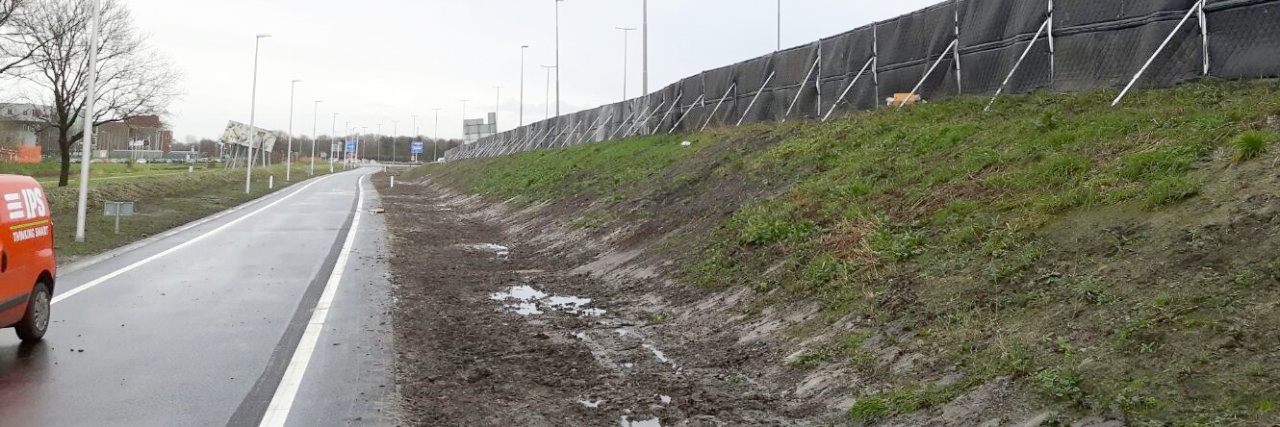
(352,149)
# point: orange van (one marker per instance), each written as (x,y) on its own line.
(27,262)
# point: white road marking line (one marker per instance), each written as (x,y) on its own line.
(130,267)
(287,391)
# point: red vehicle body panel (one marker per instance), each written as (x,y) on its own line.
(26,245)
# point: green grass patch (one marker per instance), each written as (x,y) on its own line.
(1249,145)
(902,401)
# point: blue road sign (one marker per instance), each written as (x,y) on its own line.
(351,146)
(416,147)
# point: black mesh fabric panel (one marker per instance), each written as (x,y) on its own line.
(844,56)
(1243,39)
(1110,13)
(1099,44)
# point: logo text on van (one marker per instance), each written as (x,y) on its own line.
(26,204)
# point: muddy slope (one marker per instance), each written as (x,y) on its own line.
(498,327)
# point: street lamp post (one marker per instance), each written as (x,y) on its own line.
(435,148)
(253,109)
(415,136)
(333,138)
(377,139)
(548,103)
(464,118)
(395,132)
(315,137)
(626,33)
(288,154)
(558,57)
(359,146)
(91,94)
(497,106)
(522,49)
(779,25)
(645,35)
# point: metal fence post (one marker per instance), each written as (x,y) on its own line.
(754,98)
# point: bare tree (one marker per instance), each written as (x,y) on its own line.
(132,80)
(17,43)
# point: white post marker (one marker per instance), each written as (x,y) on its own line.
(271,182)
(282,402)
(288,153)
(955,53)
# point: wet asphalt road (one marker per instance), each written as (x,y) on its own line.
(201,334)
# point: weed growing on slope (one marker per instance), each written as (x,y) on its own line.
(1249,145)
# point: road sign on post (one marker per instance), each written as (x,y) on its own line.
(117,209)
(351,147)
(416,147)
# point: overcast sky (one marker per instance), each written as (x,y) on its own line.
(375,61)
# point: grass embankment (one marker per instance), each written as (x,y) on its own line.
(1109,260)
(47,172)
(162,202)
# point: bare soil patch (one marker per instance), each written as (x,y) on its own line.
(493,328)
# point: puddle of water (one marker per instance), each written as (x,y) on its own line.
(666,400)
(658,354)
(525,300)
(640,423)
(522,293)
(570,302)
(620,332)
(574,305)
(591,404)
(581,336)
(525,309)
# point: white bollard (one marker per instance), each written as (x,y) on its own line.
(393,181)
(271,182)
(191,169)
